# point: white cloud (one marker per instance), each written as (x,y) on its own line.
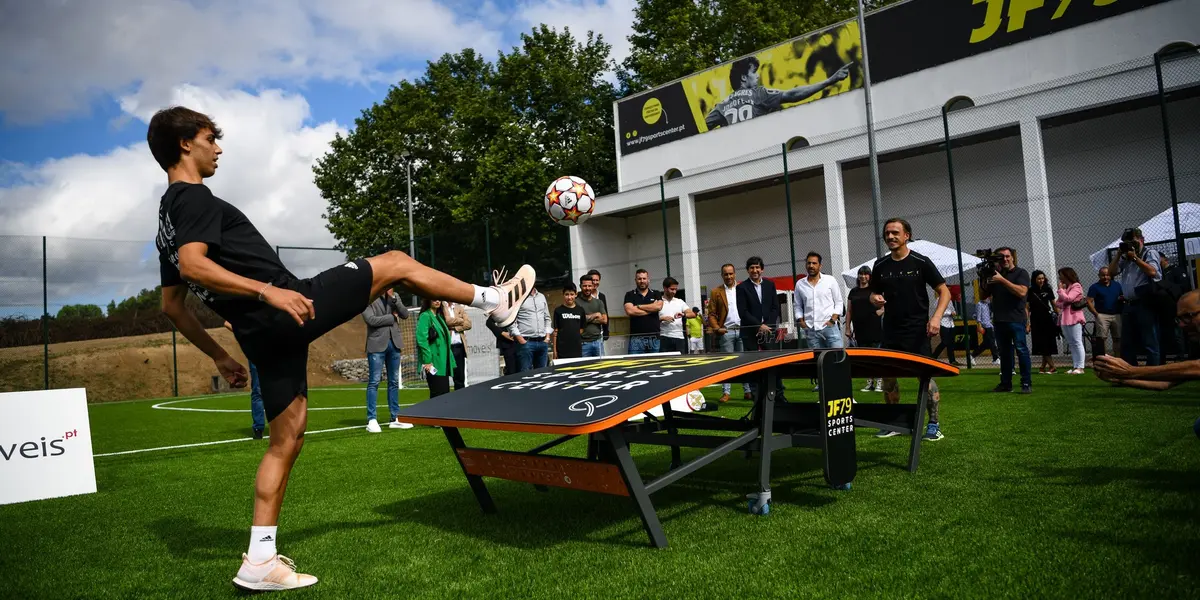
(266,171)
(59,56)
(612,18)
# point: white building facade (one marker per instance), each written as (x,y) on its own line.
(1062,149)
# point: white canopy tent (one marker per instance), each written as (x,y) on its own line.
(1161,228)
(943,258)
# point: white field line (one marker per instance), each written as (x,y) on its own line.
(165,406)
(247,439)
(227,395)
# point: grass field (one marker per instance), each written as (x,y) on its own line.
(1079,490)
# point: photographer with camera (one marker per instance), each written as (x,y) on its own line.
(1137,268)
(1007,285)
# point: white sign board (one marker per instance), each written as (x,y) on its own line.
(483,359)
(45,445)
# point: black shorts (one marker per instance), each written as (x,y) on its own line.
(278,346)
(915,344)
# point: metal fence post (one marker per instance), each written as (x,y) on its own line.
(662,195)
(787,194)
(487,244)
(174,361)
(1180,249)
(962,296)
(45,320)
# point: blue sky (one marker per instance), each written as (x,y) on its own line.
(80,80)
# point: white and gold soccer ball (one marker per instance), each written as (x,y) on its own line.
(570,201)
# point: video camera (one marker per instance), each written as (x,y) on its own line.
(1128,244)
(990,264)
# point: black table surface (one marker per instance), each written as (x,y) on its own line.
(595,394)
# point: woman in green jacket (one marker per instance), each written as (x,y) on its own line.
(433,348)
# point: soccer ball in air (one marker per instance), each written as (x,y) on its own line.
(570,201)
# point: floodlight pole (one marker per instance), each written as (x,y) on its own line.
(876,201)
(962,297)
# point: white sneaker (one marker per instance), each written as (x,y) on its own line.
(512,293)
(398,425)
(373,426)
(869,388)
(278,573)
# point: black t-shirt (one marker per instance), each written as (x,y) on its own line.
(190,213)
(868,327)
(1006,306)
(604,301)
(903,284)
(649,323)
(569,322)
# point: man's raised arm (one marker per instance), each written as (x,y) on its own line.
(799,93)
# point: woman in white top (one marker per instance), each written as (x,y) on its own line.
(947,336)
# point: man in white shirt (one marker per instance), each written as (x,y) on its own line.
(670,319)
(818,304)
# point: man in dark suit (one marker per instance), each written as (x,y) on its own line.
(758,309)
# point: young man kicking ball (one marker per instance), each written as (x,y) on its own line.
(208,246)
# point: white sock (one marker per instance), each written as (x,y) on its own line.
(486,298)
(262,544)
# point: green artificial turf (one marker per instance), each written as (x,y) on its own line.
(1079,490)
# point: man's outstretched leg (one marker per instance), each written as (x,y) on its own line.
(499,301)
(262,567)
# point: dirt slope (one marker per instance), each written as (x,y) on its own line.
(140,367)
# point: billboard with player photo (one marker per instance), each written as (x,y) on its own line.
(798,71)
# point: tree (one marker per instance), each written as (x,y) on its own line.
(79,311)
(145,303)
(674,38)
(485,140)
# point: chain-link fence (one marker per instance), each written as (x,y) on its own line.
(87,313)
(1056,171)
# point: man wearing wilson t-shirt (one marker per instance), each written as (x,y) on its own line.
(567,339)
(671,317)
(898,283)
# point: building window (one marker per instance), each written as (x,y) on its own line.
(673,174)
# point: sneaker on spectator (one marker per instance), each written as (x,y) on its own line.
(1002,388)
(1025,389)
(373,426)
(398,425)
(933,433)
(887,434)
